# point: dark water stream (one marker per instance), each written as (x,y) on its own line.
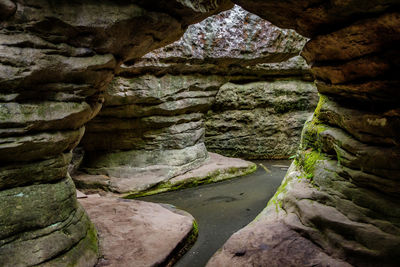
(223,208)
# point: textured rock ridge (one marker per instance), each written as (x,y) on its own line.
(260,119)
(339,200)
(151,127)
(233,42)
(56,57)
(150,130)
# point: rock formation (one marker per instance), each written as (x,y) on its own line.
(339,201)
(149,130)
(56,57)
(260,119)
(138,233)
(151,126)
(338,205)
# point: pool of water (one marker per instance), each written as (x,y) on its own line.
(223,208)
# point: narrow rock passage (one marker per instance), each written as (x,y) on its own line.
(223,208)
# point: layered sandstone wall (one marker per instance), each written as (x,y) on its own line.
(261,119)
(150,130)
(151,127)
(338,205)
(56,57)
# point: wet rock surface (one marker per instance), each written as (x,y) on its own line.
(137,233)
(222,208)
(334,202)
(56,58)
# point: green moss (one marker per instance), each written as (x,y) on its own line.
(212,177)
(194,234)
(282,189)
(93,242)
(311,135)
(322,100)
(87,248)
(309,160)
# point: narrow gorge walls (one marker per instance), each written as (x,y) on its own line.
(56,57)
(338,205)
(151,127)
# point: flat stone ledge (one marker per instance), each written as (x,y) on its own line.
(138,233)
(216,168)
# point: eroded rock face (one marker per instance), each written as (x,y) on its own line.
(230,43)
(151,127)
(56,57)
(260,119)
(340,195)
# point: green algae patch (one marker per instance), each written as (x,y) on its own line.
(275,199)
(84,253)
(275,204)
(311,134)
(212,177)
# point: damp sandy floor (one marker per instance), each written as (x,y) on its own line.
(223,208)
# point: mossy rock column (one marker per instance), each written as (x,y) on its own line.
(56,58)
(339,203)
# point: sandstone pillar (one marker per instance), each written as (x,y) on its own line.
(338,205)
(56,57)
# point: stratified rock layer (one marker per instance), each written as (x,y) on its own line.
(151,127)
(339,201)
(150,130)
(56,57)
(66,52)
(233,42)
(259,119)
